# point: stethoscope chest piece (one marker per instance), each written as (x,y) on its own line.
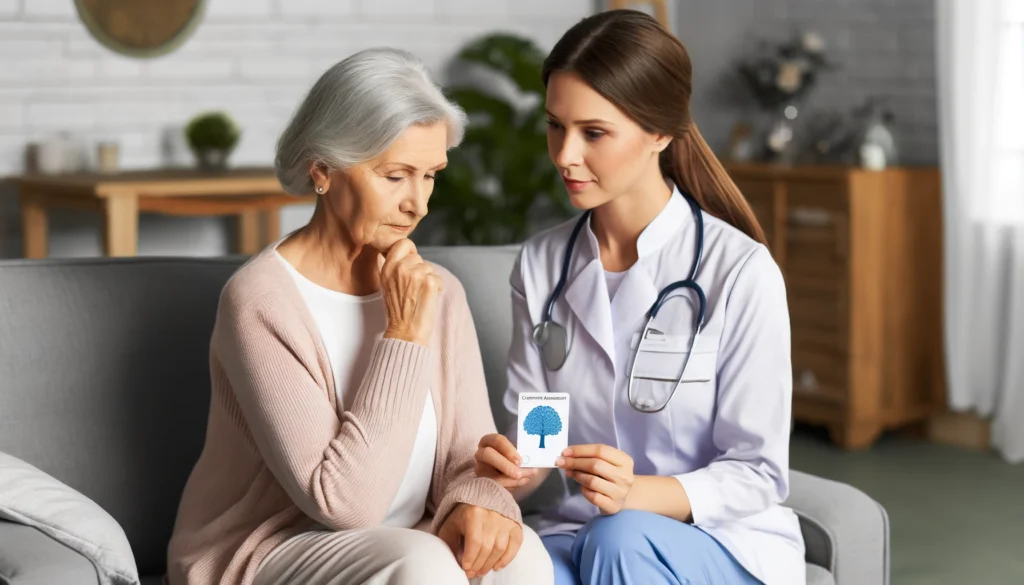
(553,342)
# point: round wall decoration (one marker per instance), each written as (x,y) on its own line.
(141,28)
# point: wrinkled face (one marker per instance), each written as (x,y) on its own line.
(600,152)
(382,200)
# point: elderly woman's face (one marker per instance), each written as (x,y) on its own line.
(381,201)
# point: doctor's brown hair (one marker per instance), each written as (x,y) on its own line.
(633,62)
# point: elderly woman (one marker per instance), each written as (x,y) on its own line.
(347,386)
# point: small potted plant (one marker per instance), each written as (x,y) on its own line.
(212,136)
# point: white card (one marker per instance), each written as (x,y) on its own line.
(543,427)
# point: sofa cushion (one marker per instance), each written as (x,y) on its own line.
(29,557)
(838,517)
(484,276)
(34,499)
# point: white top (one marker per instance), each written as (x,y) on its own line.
(349,325)
(613,279)
(725,434)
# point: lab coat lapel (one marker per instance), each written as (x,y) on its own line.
(587,295)
(639,289)
(634,298)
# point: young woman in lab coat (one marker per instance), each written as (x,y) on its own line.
(690,493)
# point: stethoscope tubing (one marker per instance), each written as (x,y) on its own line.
(697,257)
(541,331)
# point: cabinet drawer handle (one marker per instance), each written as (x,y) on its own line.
(807,382)
(822,218)
(810,216)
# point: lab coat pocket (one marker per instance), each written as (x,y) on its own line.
(663,359)
(659,375)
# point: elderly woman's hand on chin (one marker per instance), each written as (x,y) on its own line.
(410,289)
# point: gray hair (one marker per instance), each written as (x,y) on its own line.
(356,110)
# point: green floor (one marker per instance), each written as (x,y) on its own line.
(957,515)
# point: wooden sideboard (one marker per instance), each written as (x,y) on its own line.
(861,253)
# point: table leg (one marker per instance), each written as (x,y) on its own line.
(121,225)
(248,232)
(34,227)
(272,226)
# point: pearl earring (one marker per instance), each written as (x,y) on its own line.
(320,189)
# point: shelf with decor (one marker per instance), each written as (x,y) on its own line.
(861,253)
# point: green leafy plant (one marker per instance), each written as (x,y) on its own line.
(499,182)
(212,131)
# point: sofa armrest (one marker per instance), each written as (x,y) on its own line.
(29,557)
(845,530)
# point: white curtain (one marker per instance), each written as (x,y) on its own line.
(980,61)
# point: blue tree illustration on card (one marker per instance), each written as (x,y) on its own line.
(543,421)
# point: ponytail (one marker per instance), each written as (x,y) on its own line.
(690,162)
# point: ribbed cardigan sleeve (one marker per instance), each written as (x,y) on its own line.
(338,471)
(472,420)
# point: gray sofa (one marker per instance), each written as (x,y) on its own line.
(104,384)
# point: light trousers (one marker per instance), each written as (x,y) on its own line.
(642,548)
(387,555)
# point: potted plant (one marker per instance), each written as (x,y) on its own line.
(499,184)
(212,136)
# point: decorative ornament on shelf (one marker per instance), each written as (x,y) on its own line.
(863,136)
(212,136)
(878,144)
(741,144)
(779,76)
(830,137)
(107,155)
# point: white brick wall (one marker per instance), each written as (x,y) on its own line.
(62,8)
(254,58)
(9,7)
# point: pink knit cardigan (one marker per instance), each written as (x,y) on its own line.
(281,455)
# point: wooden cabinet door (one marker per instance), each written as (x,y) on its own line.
(817,265)
(817,229)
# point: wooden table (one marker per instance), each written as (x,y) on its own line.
(253,195)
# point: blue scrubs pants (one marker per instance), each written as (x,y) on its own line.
(642,548)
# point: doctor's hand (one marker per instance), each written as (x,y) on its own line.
(410,288)
(481,540)
(497,459)
(605,474)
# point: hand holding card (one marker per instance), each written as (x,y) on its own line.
(497,459)
(543,427)
(604,473)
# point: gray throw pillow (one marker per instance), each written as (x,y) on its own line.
(31,497)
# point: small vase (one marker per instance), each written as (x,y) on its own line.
(212,159)
(779,144)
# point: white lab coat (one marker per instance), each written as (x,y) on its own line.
(726,440)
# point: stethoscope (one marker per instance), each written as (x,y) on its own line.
(552,340)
